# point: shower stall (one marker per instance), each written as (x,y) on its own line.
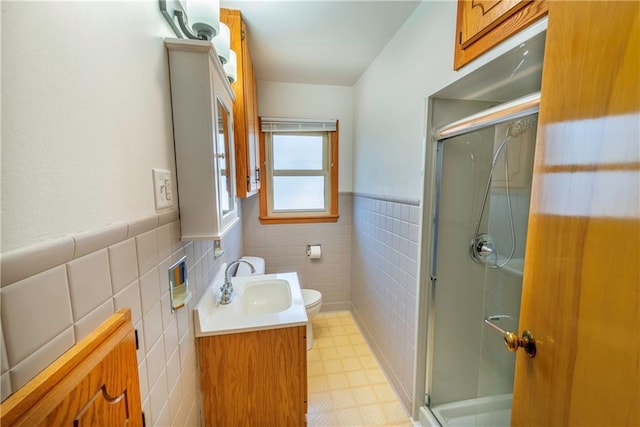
(476,245)
(482,209)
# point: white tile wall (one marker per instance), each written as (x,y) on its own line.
(369,263)
(284,246)
(50,298)
(384,283)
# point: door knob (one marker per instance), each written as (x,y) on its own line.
(512,341)
(526,341)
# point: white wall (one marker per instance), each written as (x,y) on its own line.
(86,114)
(297,100)
(389,102)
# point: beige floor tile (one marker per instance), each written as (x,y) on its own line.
(357,378)
(375,376)
(351,364)
(367,361)
(333,321)
(337,331)
(346,386)
(346,351)
(332,366)
(342,340)
(343,398)
(329,353)
(315,368)
(319,402)
(313,355)
(362,349)
(356,339)
(323,342)
(337,381)
(394,412)
(352,329)
(364,395)
(322,419)
(372,415)
(317,384)
(384,393)
(349,417)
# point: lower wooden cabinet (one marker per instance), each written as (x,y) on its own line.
(254,378)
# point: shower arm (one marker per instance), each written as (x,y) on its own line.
(501,113)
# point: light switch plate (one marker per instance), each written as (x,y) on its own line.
(162,190)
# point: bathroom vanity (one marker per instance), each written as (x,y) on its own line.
(254,378)
(252,355)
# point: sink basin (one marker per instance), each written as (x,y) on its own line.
(268,296)
(262,301)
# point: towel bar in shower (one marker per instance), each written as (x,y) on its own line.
(511,340)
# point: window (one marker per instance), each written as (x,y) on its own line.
(301,163)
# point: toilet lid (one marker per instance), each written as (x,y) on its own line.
(311,297)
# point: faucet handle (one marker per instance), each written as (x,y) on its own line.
(226,293)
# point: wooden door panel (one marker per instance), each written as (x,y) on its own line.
(482,24)
(93,383)
(480,16)
(581,289)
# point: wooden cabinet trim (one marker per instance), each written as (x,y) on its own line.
(505,27)
(245,108)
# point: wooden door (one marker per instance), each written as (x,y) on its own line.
(581,290)
(95,383)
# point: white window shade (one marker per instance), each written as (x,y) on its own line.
(274,124)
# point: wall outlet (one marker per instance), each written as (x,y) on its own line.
(162,188)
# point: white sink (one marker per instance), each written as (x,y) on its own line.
(266,296)
(265,301)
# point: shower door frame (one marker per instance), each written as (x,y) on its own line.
(512,110)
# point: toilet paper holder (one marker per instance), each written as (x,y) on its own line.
(314,253)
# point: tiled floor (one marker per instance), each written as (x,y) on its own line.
(346,385)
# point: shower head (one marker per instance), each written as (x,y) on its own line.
(522,126)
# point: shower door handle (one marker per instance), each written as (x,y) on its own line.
(512,341)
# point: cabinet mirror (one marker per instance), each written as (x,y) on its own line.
(223,153)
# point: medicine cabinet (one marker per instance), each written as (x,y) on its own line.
(202,102)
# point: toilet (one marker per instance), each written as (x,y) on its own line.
(312,298)
(245,270)
(312,303)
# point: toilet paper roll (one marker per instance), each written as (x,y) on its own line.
(314,251)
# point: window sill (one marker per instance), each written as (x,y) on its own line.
(299,219)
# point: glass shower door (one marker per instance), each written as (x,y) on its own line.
(484,190)
(507,211)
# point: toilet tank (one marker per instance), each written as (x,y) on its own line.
(257,262)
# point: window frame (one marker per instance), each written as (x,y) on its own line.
(267,216)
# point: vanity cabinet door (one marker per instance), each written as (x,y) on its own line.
(254,378)
(482,24)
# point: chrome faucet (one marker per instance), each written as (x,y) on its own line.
(226,290)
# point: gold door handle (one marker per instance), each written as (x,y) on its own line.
(511,340)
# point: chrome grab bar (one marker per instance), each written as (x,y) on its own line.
(511,340)
(489,322)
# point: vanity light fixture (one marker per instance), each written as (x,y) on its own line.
(231,67)
(222,43)
(203,14)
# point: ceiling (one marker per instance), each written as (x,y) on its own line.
(318,42)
